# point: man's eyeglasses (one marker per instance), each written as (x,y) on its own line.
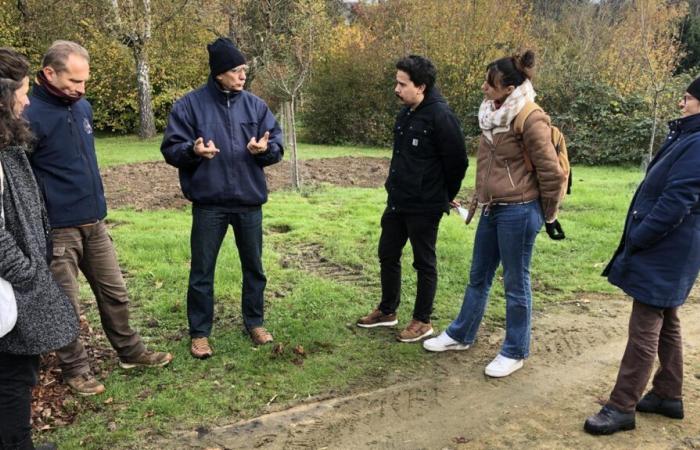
(686,98)
(239,69)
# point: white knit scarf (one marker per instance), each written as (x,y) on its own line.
(493,121)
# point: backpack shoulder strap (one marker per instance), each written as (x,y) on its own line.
(518,127)
(519,121)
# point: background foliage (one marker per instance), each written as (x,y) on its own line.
(600,64)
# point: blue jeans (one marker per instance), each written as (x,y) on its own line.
(506,234)
(208,230)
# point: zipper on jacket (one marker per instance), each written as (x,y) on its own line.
(85,157)
(509,176)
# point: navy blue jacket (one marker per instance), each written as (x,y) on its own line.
(658,258)
(429,158)
(64,160)
(234,177)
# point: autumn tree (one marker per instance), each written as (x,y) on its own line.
(289,59)
(131,23)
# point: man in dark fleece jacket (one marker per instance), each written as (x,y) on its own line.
(220,137)
(427,168)
(65,166)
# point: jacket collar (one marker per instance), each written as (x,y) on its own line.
(40,92)
(432,96)
(689,124)
(221,96)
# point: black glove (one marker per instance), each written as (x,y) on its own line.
(554,230)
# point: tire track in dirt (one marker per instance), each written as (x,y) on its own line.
(309,257)
(575,354)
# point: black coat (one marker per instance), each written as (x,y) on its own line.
(658,258)
(429,158)
(46,319)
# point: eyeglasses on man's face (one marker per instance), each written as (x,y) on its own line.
(239,69)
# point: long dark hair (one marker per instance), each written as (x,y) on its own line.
(14,68)
(511,70)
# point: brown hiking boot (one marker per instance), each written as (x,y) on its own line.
(146,359)
(85,384)
(377,319)
(415,331)
(260,335)
(200,348)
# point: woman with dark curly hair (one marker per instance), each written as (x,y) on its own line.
(519,184)
(45,317)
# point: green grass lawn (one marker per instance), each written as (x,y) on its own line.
(307,308)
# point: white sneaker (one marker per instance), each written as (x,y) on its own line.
(502,366)
(443,343)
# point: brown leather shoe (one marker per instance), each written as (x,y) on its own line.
(146,359)
(200,348)
(377,319)
(85,384)
(260,335)
(415,331)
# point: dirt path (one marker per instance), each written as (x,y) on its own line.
(575,355)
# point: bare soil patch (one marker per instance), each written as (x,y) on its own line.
(155,185)
(576,350)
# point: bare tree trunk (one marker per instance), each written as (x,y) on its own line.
(295,160)
(147,125)
(290,140)
(650,153)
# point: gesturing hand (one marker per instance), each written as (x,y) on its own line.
(255,146)
(209,151)
(554,230)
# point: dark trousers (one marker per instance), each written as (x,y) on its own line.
(208,230)
(652,331)
(421,230)
(90,249)
(18,374)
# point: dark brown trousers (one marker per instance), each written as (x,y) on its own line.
(90,249)
(652,331)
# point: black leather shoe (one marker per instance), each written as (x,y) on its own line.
(652,403)
(609,420)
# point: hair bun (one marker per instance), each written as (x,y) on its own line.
(526,60)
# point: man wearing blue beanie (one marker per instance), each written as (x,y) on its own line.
(220,137)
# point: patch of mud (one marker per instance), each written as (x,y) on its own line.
(155,184)
(309,257)
(576,351)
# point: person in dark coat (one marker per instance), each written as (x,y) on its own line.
(657,263)
(427,167)
(220,137)
(45,317)
(65,165)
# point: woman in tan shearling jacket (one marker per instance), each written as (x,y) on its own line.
(518,185)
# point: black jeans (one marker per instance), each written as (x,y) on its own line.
(421,230)
(208,230)
(18,374)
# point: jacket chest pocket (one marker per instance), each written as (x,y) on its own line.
(249,130)
(419,139)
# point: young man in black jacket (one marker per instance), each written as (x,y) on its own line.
(65,166)
(427,167)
